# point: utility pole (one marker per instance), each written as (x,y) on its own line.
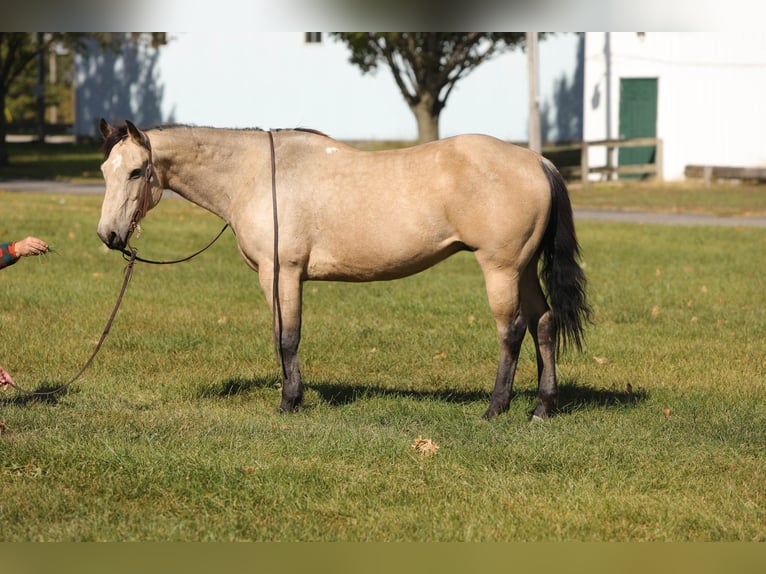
(40,87)
(535,138)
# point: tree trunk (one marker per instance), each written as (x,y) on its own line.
(428,121)
(3,130)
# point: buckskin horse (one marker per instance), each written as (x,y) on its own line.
(304,206)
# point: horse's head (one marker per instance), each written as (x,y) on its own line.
(132,186)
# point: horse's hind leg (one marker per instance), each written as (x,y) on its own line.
(539,319)
(502,290)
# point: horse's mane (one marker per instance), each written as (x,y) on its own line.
(121,132)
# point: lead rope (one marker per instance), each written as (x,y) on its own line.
(126,280)
(132,256)
(127,254)
(276,320)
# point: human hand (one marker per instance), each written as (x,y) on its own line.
(6,379)
(30,246)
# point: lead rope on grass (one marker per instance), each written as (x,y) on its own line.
(128,274)
(131,256)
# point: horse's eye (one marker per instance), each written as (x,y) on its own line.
(135,174)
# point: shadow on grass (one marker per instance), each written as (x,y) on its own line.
(236,386)
(573,395)
(47,392)
(338,394)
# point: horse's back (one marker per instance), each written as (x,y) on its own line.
(379,215)
(465,168)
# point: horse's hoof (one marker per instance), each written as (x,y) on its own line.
(288,409)
(540,414)
(493,412)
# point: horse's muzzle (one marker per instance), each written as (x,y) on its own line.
(112,240)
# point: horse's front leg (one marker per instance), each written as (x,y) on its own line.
(285,303)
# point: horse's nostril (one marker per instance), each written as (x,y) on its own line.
(112,241)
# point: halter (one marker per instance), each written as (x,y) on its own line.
(145,196)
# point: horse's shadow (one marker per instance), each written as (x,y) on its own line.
(573,394)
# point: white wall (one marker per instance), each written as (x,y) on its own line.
(273,80)
(710,94)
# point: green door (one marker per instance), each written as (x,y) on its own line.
(638,119)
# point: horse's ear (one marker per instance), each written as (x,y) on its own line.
(136,134)
(106,129)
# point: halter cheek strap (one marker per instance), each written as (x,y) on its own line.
(144,198)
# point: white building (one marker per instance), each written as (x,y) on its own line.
(701,93)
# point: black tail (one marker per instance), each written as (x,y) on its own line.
(562,275)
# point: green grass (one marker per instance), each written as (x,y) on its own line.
(65,162)
(172,435)
(722,198)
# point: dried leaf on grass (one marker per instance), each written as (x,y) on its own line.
(425,446)
(29,470)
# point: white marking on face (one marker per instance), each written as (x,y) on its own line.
(116,162)
(330,150)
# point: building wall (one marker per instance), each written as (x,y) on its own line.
(710,94)
(273,80)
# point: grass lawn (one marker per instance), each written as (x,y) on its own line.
(66,162)
(721,199)
(172,435)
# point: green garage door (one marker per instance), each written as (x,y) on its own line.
(638,119)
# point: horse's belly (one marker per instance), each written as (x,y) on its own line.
(354,264)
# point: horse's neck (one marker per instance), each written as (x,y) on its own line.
(201,165)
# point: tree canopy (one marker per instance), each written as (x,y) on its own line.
(19,50)
(427,65)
